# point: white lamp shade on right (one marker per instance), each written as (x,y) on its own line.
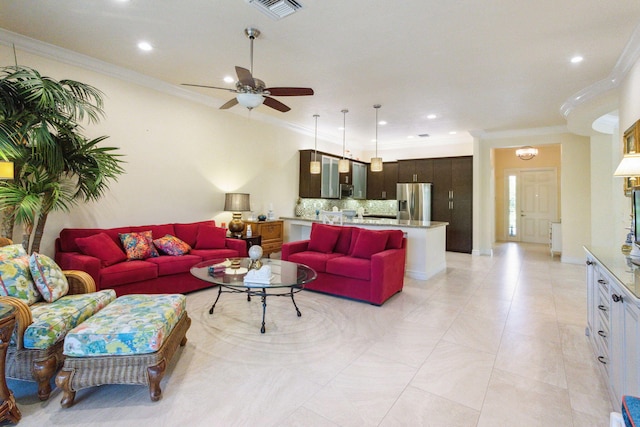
(629,166)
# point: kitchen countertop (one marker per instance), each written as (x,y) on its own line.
(383,222)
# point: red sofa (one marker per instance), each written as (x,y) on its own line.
(352,262)
(154,275)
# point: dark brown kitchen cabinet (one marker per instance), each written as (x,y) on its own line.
(382,185)
(415,170)
(310,184)
(452,200)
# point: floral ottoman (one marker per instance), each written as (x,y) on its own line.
(131,341)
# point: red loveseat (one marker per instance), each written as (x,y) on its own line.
(109,267)
(352,262)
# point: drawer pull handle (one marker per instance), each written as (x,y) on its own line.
(590,262)
(602,307)
(602,334)
(602,360)
(616,298)
(602,281)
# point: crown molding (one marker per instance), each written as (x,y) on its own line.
(518,133)
(629,56)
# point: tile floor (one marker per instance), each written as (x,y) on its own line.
(494,341)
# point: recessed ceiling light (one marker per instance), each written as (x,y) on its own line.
(340,128)
(410,136)
(382,122)
(453,132)
(431,116)
(229,79)
(577,59)
(146,46)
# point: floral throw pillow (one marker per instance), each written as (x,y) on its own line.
(12,251)
(171,245)
(138,245)
(16,281)
(48,277)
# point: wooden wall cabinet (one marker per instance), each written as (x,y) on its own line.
(416,170)
(452,200)
(271,234)
(382,185)
(310,184)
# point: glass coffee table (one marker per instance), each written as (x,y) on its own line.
(288,278)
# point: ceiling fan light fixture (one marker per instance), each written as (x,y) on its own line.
(250,100)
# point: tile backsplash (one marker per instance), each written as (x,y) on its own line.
(377,207)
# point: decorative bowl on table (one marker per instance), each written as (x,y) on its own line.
(349,213)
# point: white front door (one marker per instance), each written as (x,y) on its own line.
(531,204)
(538,204)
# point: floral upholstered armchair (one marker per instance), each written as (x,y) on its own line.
(49,302)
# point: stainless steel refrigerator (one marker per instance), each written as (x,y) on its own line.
(414,202)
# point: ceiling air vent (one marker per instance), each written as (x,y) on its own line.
(276,9)
(423,135)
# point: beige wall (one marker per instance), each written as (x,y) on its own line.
(181,157)
(505,158)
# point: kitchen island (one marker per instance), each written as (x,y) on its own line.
(426,242)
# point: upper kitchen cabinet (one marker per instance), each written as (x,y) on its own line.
(310,184)
(325,184)
(330,178)
(359,175)
(382,185)
(417,170)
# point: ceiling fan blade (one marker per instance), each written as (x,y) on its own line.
(290,91)
(245,77)
(275,104)
(230,103)
(208,87)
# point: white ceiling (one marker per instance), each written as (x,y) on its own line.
(480,66)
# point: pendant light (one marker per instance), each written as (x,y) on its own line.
(376,162)
(314,166)
(343,164)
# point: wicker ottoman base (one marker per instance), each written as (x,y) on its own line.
(146,369)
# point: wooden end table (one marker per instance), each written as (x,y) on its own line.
(8,409)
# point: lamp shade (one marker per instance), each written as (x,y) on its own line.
(314,167)
(343,165)
(250,100)
(6,170)
(236,202)
(629,166)
(376,164)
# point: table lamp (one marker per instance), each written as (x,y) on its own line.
(236,203)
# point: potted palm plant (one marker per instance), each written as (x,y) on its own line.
(55,165)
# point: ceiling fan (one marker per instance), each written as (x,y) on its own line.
(252,92)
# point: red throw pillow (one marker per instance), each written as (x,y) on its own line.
(210,237)
(395,239)
(369,242)
(101,246)
(323,238)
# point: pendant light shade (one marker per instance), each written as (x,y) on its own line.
(376,162)
(314,165)
(343,164)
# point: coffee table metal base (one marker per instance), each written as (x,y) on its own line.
(263,294)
